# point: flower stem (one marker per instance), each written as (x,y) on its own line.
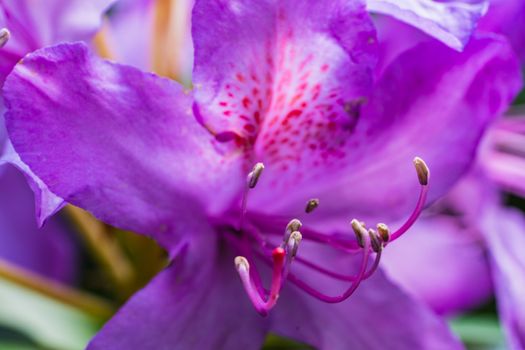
(88,303)
(105,249)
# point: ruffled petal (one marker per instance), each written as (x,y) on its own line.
(46,202)
(378,316)
(452,22)
(113,140)
(197,303)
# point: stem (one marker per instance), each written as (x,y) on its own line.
(86,302)
(104,247)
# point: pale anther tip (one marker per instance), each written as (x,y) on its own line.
(241,263)
(359,231)
(423,173)
(294,225)
(255,174)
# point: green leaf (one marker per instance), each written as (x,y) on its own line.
(41,322)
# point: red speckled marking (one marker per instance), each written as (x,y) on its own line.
(290,102)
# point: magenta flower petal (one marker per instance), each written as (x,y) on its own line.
(35,24)
(452,22)
(197,303)
(507,17)
(46,202)
(50,250)
(126,144)
(264,61)
(443,263)
(379,315)
(425,94)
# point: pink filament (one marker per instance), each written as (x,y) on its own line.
(262,306)
(353,287)
(413,217)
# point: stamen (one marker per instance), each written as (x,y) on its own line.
(4,36)
(375,240)
(423,175)
(360,232)
(252,179)
(255,174)
(353,287)
(293,243)
(293,226)
(384,232)
(311,205)
(422,171)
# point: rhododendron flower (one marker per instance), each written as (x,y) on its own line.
(291,85)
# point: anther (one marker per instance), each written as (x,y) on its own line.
(4,36)
(311,205)
(241,263)
(255,174)
(375,241)
(422,171)
(384,232)
(360,232)
(293,243)
(293,225)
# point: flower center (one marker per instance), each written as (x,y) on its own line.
(248,238)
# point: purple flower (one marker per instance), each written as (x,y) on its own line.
(30,26)
(289,84)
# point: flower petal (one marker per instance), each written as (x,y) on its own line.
(35,24)
(46,202)
(197,303)
(507,17)
(430,102)
(505,235)
(378,316)
(115,141)
(443,263)
(452,22)
(272,66)
(49,250)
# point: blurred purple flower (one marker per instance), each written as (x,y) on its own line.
(33,25)
(288,84)
(469,240)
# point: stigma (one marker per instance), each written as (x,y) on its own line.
(368,243)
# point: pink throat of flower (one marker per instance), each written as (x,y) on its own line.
(369,242)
